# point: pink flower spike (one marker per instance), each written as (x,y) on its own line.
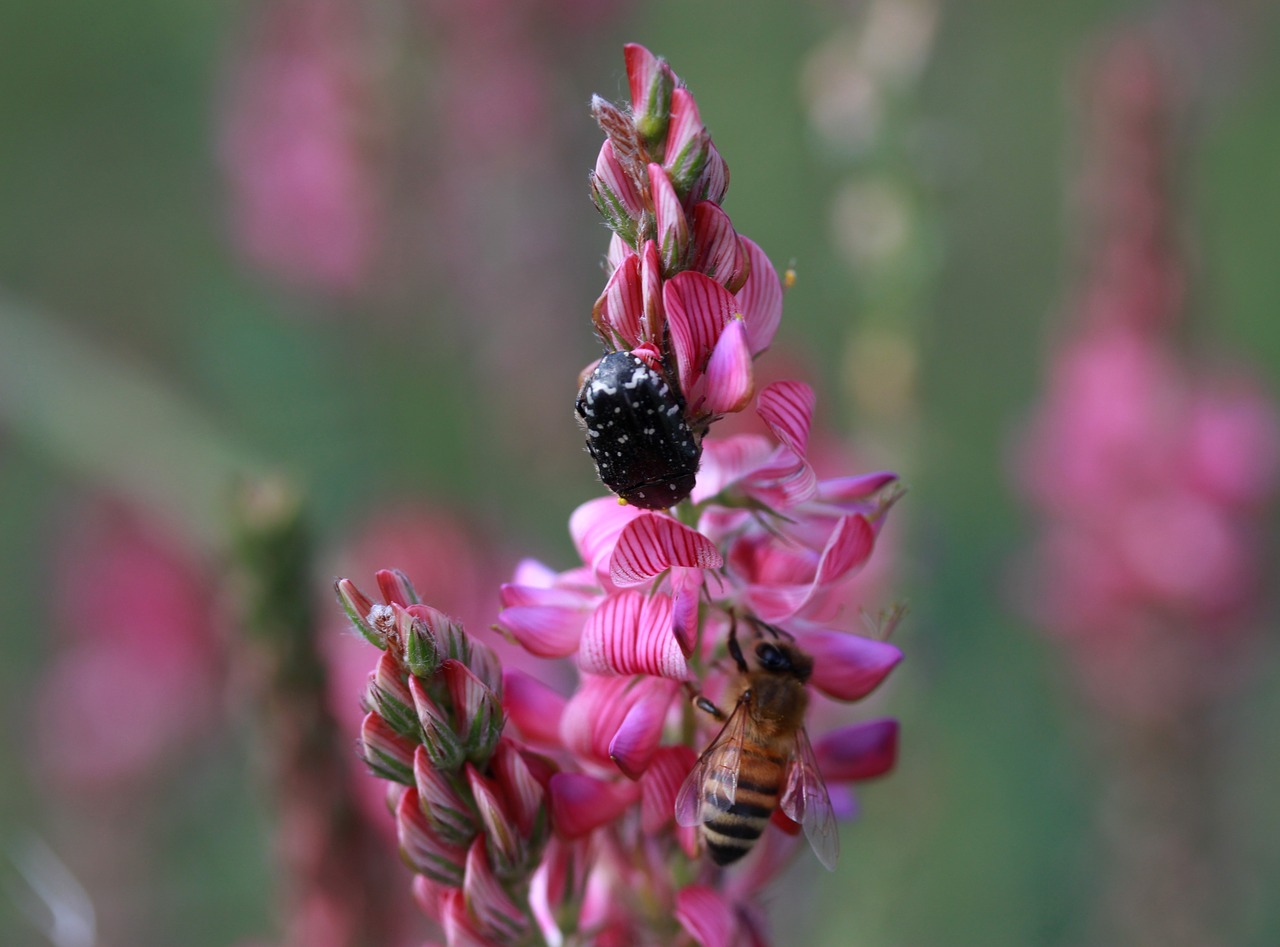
(636,740)
(495,913)
(631,633)
(660,784)
(847,666)
(532,707)
(716,248)
(698,308)
(652,543)
(619,310)
(760,298)
(581,804)
(707,916)
(860,751)
(730,382)
(672,225)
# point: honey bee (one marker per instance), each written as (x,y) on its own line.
(761,759)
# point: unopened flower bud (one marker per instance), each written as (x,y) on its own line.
(438,736)
(615,195)
(652,82)
(425,851)
(450,817)
(395,587)
(672,225)
(497,916)
(688,144)
(478,711)
(506,844)
(389,696)
(387,753)
(357,607)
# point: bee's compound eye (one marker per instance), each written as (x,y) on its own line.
(771,658)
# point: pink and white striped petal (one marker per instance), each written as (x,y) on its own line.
(620,307)
(523,793)
(787,407)
(847,666)
(546,621)
(730,382)
(650,79)
(659,785)
(686,589)
(459,926)
(632,633)
(581,804)
(841,491)
(707,916)
(651,293)
(618,251)
(687,142)
(727,460)
(672,226)
(716,250)
(698,308)
(618,189)
(760,298)
(860,751)
(713,182)
(532,707)
(652,543)
(487,900)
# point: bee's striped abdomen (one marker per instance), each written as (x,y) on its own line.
(730,833)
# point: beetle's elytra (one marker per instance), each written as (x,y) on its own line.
(636,433)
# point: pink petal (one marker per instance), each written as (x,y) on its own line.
(646,75)
(730,381)
(713,183)
(617,252)
(610,174)
(631,633)
(651,543)
(698,308)
(488,900)
(849,546)
(787,407)
(760,298)
(860,751)
(707,916)
(842,490)
(671,223)
(533,707)
(637,737)
(687,141)
(395,587)
(621,306)
(651,293)
(549,631)
(595,527)
(848,666)
(717,252)
(727,460)
(659,785)
(686,588)
(581,803)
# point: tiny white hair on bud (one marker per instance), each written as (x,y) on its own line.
(381,617)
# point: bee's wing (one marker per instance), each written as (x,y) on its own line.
(805,800)
(714,778)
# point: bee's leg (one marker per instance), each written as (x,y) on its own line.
(735,651)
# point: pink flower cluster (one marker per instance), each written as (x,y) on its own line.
(1150,471)
(528,813)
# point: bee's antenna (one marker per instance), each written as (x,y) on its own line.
(735,651)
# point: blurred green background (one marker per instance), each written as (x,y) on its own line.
(145,357)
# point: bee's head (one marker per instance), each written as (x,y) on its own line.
(782,657)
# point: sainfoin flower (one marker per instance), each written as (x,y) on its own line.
(532,816)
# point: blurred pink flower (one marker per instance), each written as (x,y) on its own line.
(137,668)
(298,145)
